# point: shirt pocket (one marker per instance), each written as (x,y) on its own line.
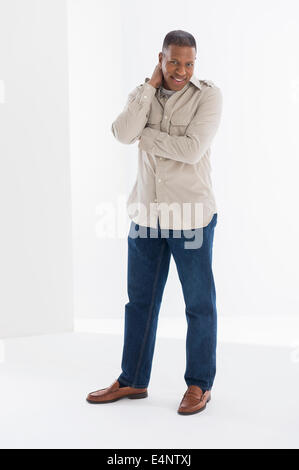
(178,124)
(154,121)
(154,117)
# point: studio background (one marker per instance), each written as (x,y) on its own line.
(66,69)
(249,50)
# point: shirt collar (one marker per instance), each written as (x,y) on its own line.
(194,80)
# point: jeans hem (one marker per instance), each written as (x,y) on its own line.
(131,385)
(199,384)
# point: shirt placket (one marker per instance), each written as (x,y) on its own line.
(161,175)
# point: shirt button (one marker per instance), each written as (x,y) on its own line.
(165,117)
(160,158)
(145,96)
(159,181)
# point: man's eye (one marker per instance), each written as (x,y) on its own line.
(174,61)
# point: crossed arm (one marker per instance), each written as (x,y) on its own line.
(131,126)
(128,126)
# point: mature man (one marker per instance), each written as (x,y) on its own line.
(175,117)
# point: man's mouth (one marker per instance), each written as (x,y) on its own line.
(178,80)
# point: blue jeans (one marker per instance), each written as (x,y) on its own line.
(148,266)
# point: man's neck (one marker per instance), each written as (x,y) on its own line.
(164,85)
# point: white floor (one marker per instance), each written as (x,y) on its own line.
(45,380)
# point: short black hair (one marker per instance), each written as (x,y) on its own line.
(179,38)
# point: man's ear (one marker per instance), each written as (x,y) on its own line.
(160,57)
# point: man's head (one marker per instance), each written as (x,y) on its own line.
(177,59)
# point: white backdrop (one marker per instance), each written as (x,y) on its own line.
(35,202)
(249,50)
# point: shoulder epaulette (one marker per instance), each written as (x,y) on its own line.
(208,83)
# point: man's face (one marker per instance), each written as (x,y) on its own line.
(177,63)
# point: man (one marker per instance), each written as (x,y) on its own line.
(175,117)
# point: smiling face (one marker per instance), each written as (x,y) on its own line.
(177,66)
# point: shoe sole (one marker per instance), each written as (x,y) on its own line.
(194,412)
(131,397)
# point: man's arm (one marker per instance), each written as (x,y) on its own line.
(199,134)
(128,126)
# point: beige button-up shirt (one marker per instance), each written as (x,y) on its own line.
(174,171)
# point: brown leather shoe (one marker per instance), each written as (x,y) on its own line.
(114,393)
(194,400)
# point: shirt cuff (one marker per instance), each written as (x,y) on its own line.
(148,92)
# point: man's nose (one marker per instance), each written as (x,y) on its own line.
(181,72)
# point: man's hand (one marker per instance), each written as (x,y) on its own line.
(157,77)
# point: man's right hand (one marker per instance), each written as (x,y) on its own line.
(157,77)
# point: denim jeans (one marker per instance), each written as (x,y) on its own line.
(148,266)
